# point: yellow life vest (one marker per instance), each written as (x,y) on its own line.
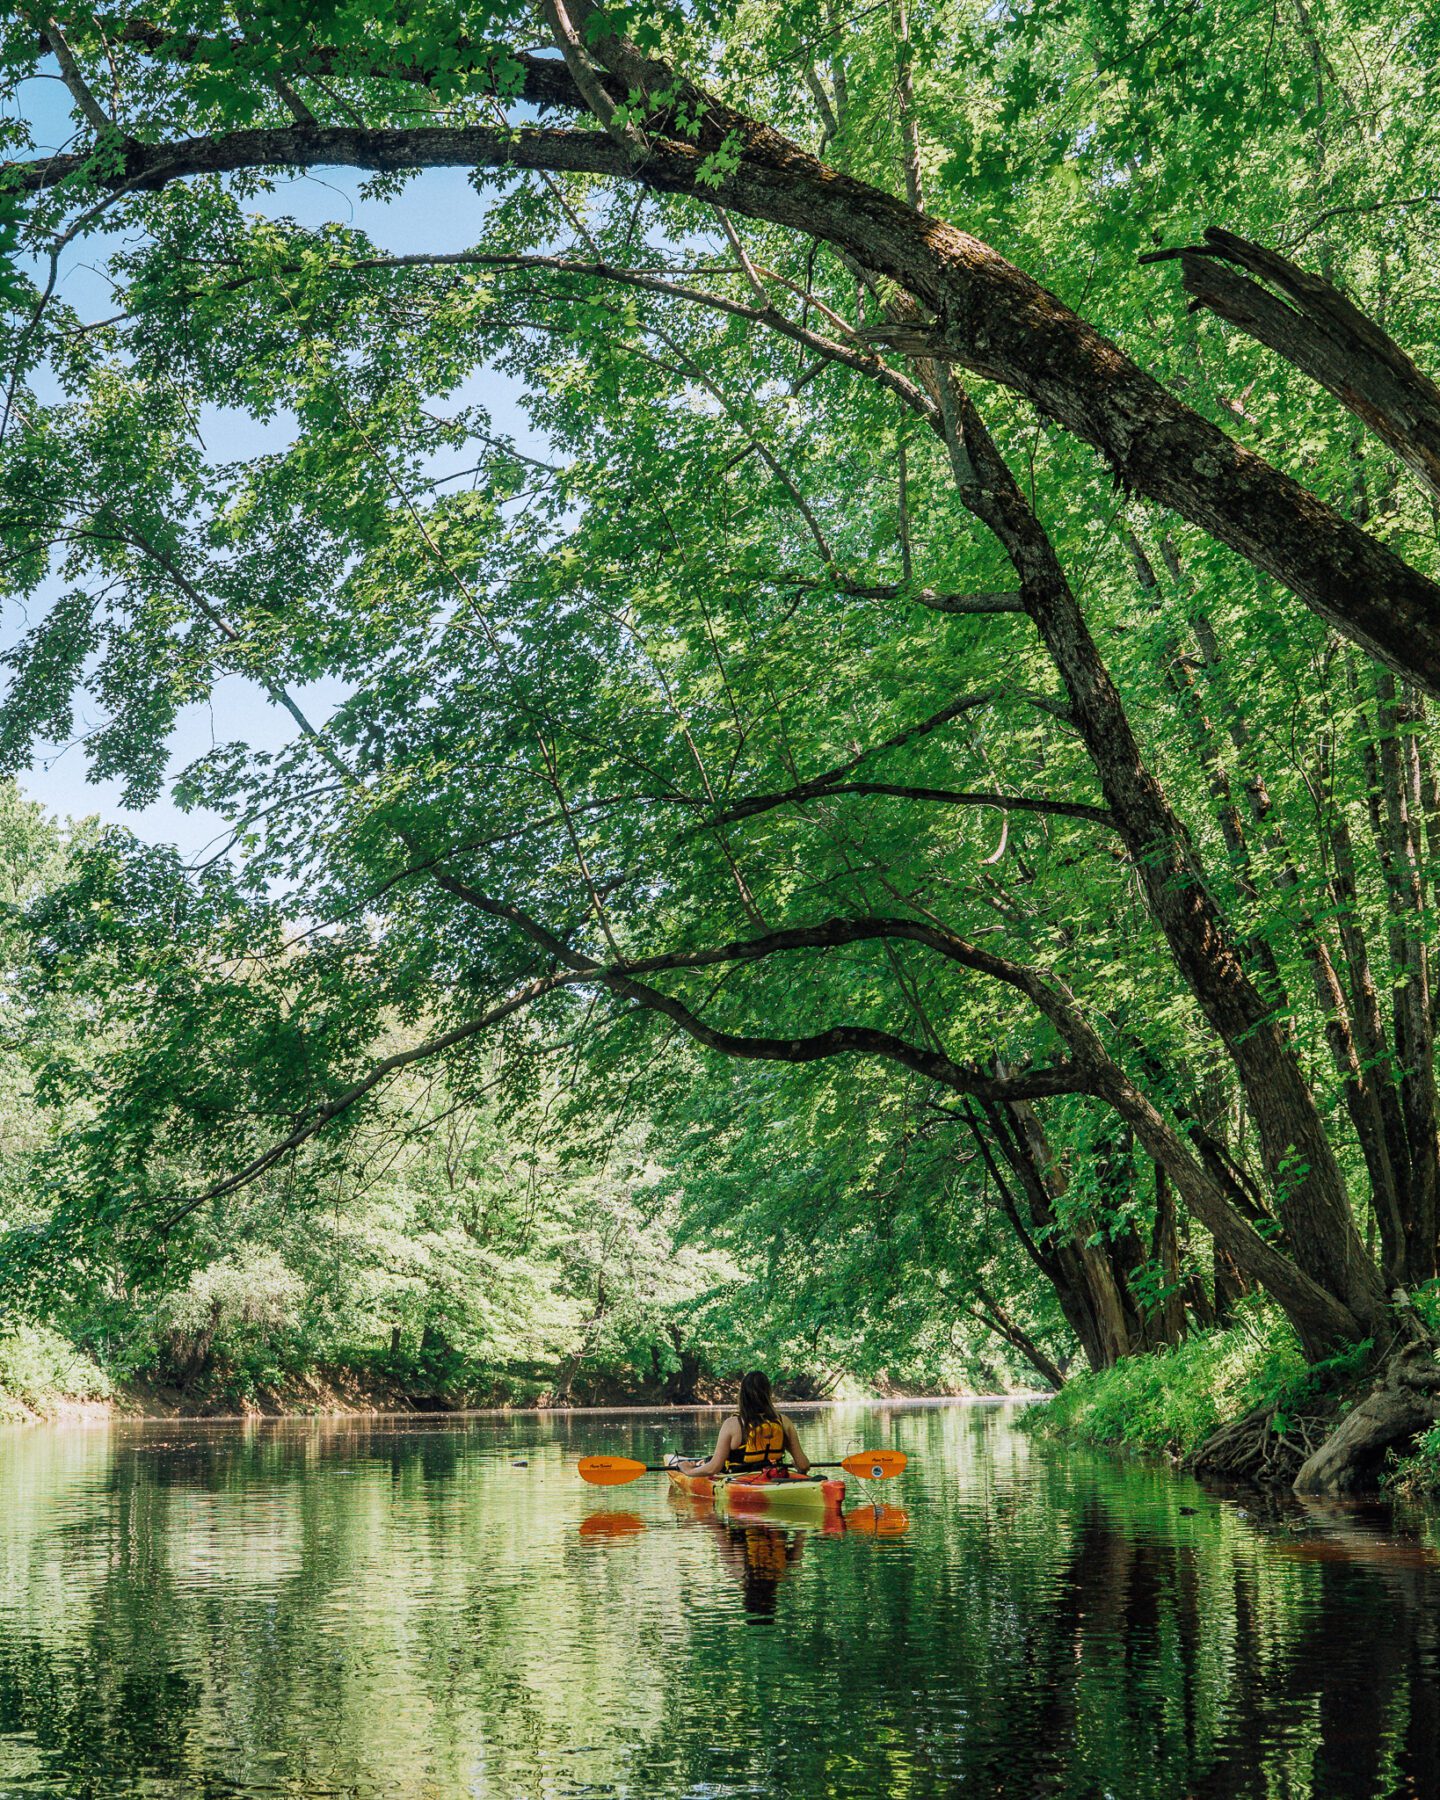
(764,1448)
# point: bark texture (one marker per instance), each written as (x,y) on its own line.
(1404,1402)
(1312,324)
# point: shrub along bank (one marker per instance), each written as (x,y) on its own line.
(1237,1400)
(1171,1402)
(43,1374)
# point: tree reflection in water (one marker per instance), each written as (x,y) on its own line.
(395,1610)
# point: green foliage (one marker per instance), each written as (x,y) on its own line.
(498,1239)
(858,1227)
(1417,1473)
(1171,1402)
(565,669)
(1330,1375)
(41,1371)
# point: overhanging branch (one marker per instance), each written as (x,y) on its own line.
(1312,324)
(1063,809)
(996,320)
(624,980)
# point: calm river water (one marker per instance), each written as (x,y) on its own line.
(393,1608)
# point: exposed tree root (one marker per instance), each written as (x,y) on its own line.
(1265,1445)
(1340,1444)
(1404,1401)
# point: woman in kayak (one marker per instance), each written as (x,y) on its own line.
(753,1437)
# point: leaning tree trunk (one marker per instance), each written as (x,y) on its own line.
(1298,1156)
(991,1314)
(1088,1278)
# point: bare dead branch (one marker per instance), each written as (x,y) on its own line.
(1313,325)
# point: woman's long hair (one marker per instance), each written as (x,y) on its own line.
(757,1403)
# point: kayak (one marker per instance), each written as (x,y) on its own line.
(767,1493)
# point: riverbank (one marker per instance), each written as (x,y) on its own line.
(43,1376)
(45,1379)
(322,1402)
(1237,1403)
(1172,1402)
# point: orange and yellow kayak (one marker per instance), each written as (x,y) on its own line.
(772,1493)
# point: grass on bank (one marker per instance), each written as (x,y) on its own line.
(1170,1402)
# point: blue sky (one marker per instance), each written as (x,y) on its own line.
(440,212)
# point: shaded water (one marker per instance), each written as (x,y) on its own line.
(394,1609)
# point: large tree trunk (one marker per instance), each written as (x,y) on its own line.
(1083,1284)
(1383,1137)
(1168,1326)
(1351,1021)
(1402,861)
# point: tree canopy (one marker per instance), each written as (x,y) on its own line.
(905,629)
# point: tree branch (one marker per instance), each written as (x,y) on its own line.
(821,785)
(1092,1069)
(1063,809)
(992,317)
(1010,602)
(1313,325)
(586,78)
(315,1121)
(95,114)
(621,978)
(544,81)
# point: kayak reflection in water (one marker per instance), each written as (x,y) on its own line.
(755,1436)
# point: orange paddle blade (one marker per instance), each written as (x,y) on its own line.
(876,1465)
(610,1471)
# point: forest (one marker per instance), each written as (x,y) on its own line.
(819,630)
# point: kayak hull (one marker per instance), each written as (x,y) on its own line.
(790,1496)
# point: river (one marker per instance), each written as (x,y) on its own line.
(439,1608)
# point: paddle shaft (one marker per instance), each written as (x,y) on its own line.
(615,1471)
(665,1468)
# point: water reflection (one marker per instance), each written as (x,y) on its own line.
(755,1555)
(401,1610)
(878,1520)
(605,1527)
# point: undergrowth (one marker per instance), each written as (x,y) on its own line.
(42,1372)
(1171,1401)
(1417,1474)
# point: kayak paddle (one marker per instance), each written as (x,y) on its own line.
(615,1471)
